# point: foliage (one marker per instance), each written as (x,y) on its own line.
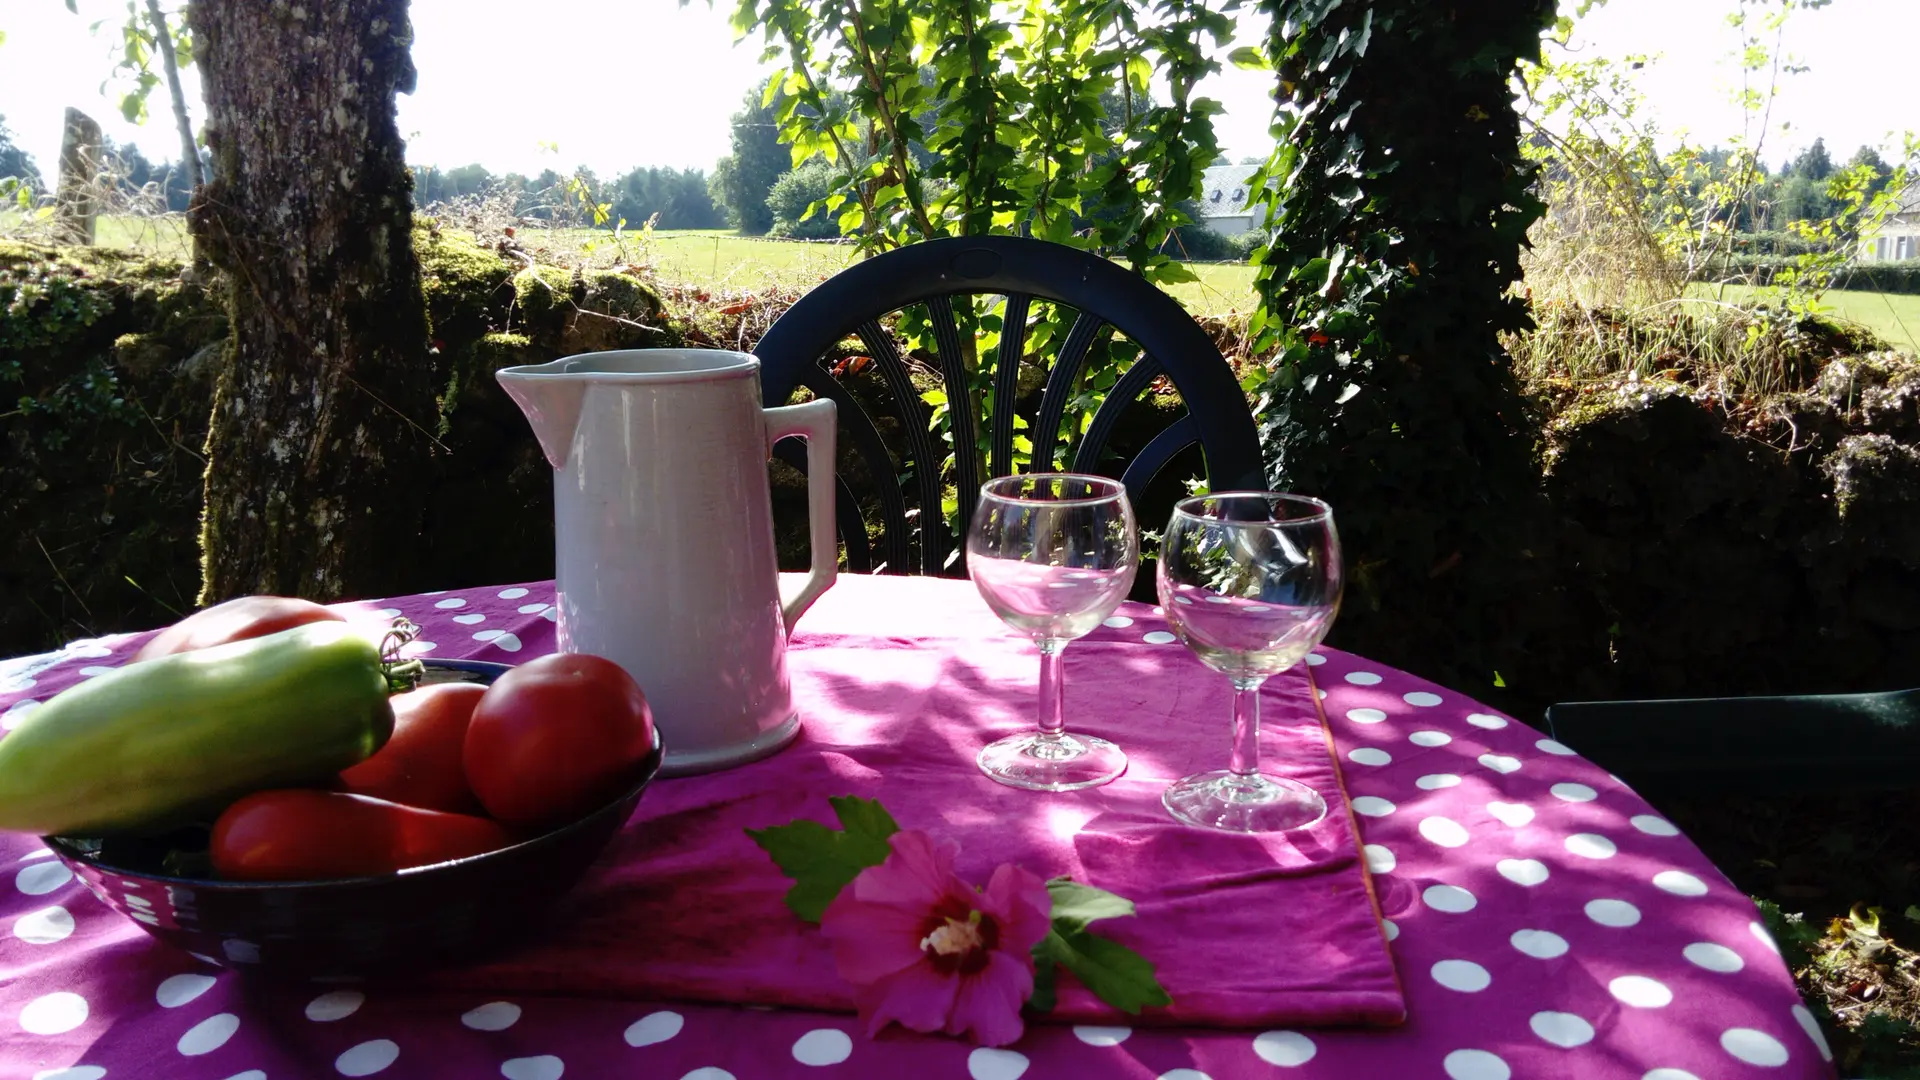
(743,179)
(963,118)
(1886,277)
(792,203)
(16,163)
(1395,206)
(667,198)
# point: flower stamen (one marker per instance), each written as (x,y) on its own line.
(953,937)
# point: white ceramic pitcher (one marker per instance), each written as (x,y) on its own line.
(663,536)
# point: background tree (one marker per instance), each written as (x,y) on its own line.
(324,404)
(15,162)
(742,180)
(794,194)
(679,197)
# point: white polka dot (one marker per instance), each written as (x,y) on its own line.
(1680,883)
(1421,698)
(532,609)
(551,614)
(1551,746)
(1486,720)
(1367,755)
(1564,1030)
(335,1005)
(413,647)
(94,670)
(1808,1024)
(1392,928)
(511,594)
(988,1063)
(1287,1049)
(1443,831)
(1669,1074)
(44,927)
(1320,694)
(42,878)
(1429,738)
(1436,781)
(1362,678)
(1713,957)
(1184,1074)
(1528,872)
(1753,1047)
(487,635)
(654,1028)
(1155,637)
(449,603)
(84,1072)
(1500,763)
(1451,899)
(53,1014)
(17,712)
(470,618)
(1101,1036)
(543,1067)
(1655,826)
(1591,846)
(138,901)
(41,853)
(145,917)
(823,1046)
(1640,991)
(493,1016)
(1314,659)
(1539,944)
(208,1035)
(708,1072)
(1574,792)
(1475,1065)
(367,1058)
(1615,913)
(508,642)
(389,613)
(1462,975)
(1372,806)
(1511,814)
(1380,859)
(1765,938)
(1366,716)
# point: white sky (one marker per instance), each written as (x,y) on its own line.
(622,83)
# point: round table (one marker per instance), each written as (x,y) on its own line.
(1545,921)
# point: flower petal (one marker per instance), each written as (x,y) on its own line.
(918,997)
(1018,900)
(915,875)
(989,1003)
(872,941)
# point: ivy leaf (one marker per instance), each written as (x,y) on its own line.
(1116,974)
(822,861)
(1250,58)
(1045,982)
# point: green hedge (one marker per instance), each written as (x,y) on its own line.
(1889,277)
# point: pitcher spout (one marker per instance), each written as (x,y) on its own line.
(550,396)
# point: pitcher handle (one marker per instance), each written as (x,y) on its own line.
(813,421)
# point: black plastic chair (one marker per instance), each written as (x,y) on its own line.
(1104,294)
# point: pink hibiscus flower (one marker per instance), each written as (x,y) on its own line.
(928,950)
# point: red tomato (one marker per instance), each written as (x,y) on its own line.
(555,738)
(420,764)
(235,620)
(302,835)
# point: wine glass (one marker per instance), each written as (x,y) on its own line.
(1250,582)
(1052,554)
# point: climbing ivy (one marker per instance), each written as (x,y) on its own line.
(1396,205)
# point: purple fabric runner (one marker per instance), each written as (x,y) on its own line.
(1545,921)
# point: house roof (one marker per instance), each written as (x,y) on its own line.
(1225,191)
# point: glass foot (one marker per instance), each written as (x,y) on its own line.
(1052,762)
(1225,800)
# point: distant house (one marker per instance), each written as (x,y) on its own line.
(1223,203)
(1898,237)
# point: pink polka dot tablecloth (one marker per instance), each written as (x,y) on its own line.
(1544,920)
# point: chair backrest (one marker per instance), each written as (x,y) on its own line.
(1104,295)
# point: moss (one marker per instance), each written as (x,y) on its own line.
(539,291)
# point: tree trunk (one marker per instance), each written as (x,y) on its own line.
(163,35)
(321,422)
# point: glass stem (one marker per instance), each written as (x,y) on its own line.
(1053,689)
(1246,725)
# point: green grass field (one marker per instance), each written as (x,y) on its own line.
(1893,317)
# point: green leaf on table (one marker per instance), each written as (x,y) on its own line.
(1075,905)
(822,861)
(1116,974)
(1045,977)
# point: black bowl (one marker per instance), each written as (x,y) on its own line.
(354,926)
